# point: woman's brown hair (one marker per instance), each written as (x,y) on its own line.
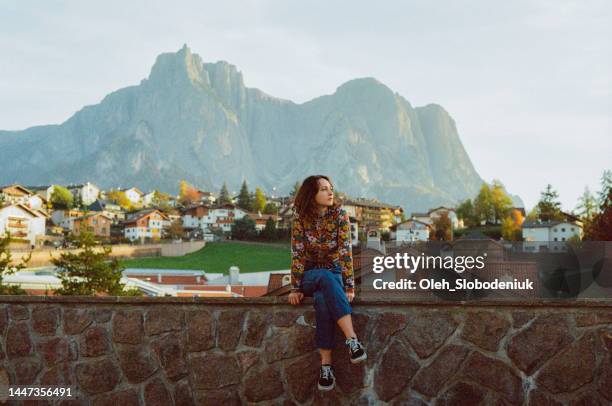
(304,204)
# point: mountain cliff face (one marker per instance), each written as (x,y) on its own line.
(197,121)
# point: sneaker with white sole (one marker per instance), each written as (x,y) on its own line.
(356,350)
(327,380)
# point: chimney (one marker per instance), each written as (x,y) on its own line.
(234,275)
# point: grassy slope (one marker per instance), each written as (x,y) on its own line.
(218,257)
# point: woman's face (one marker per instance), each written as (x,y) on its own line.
(325,195)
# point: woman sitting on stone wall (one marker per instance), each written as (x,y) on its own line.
(322,267)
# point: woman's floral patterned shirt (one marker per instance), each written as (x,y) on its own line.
(324,240)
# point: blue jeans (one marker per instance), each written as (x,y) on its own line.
(330,302)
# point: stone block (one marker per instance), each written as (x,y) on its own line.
(163,318)
(45,320)
(427,331)
(94,342)
(128,327)
(571,369)
(169,350)
(431,379)
(545,337)
(255,391)
(200,330)
(213,371)
(76,320)
(18,340)
(495,374)
(136,363)
(485,329)
(98,376)
(395,371)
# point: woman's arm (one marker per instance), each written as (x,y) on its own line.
(345,250)
(297,255)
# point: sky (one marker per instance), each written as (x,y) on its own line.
(528,83)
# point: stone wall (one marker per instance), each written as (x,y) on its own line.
(183,351)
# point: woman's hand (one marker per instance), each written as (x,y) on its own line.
(295,298)
(350,295)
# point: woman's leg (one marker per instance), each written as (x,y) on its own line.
(326,356)
(326,327)
(331,286)
(346,325)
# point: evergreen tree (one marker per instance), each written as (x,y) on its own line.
(244,198)
(600,228)
(466,212)
(90,271)
(549,207)
(224,196)
(270,208)
(244,229)
(269,233)
(587,205)
(606,185)
(259,202)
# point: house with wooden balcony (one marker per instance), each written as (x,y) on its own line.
(22,223)
(145,224)
(97,224)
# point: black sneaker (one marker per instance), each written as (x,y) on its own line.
(356,350)
(327,380)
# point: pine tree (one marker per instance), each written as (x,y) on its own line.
(244,198)
(600,228)
(606,185)
(269,232)
(549,207)
(90,271)
(224,197)
(587,205)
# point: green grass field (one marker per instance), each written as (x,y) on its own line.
(218,257)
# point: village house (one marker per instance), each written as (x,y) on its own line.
(145,224)
(64,217)
(17,194)
(371,213)
(410,230)
(134,195)
(109,209)
(95,223)
(433,214)
(207,198)
(222,218)
(192,216)
(147,199)
(22,222)
(549,235)
(86,193)
(261,220)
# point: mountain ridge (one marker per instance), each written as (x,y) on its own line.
(199,122)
